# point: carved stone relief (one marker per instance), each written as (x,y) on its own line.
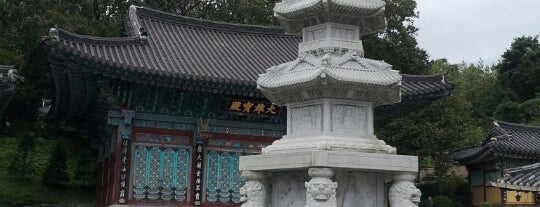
(403,193)
(306,119)
(288,189)
(320,190)
(343,33)
(358,189)
(315,34)
(349,119)
(253,193)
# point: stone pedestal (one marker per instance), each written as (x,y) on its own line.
(359,178)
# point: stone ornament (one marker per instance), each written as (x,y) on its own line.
(253,193)
(403,193)
(320,190)
(332,74)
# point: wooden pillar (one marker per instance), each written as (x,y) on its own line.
(124,131)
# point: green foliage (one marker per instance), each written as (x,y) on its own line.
(519,69)
(485,204)
(509,111)
(56,173)
(451,184)
(519,78)
(450,123)
(13,193)
(85,168)
(442,201)
(22,163)
(397,45)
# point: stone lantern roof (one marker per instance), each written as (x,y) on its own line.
(297,14)
(350,76)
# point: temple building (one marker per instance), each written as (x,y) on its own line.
(175,104)
(496,172)
(9,81)
(524,180)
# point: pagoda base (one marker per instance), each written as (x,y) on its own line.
(329,179)
(289,144)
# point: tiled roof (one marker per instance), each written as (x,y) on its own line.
(183,47)
(525,178)
(165,47)
(506,140)
(420,86)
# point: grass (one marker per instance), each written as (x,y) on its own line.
(13,192)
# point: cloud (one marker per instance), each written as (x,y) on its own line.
(470,30)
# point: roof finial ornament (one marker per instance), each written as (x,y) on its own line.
(143,33)
(12,75)
(53,34)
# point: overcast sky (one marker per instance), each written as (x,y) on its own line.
(469,30)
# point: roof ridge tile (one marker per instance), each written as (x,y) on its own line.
(515,126)
(209,24)
(72,37)
(424,78)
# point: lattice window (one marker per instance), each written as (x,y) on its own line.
(223,179)
(160,173)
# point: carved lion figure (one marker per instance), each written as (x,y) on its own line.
(252,194)
(404,194)
(321,192)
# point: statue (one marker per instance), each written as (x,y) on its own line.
(253,193)
(403,193)
(320,190)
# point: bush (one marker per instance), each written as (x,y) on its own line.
(441,201)
(22,163)
(485,204)
(56,172)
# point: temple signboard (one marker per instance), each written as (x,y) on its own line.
(252,107)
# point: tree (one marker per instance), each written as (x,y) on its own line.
(56,173)
(397,45)
(519,68)
(447,124)
(519,77)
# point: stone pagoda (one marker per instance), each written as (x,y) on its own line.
(330,155)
